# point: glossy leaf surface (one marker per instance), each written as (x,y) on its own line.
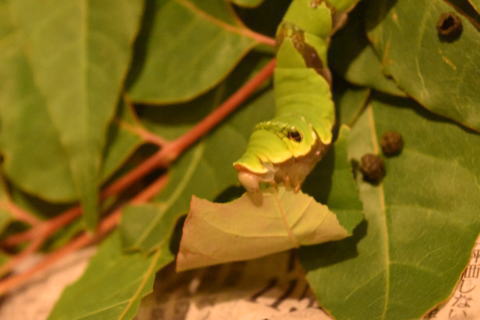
(247,3)
(349,102)
(69,81)
(254,226)
(112,286)
(205,170)
(352,57)
(442,73)
(421,221)
(475,4)
(209,41)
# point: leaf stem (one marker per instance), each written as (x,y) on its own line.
(21,214)
(44,229)
(17,259)
(171,150)
(260,38)
(174,149)
(231,28)
(143,133)
(86,238)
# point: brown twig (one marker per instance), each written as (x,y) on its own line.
(143,133)
(83,240)
(260,38)
(164,157)
(172,150)
(18,258)
(45,228)
(20,214)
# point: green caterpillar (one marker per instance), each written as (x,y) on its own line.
(286,148)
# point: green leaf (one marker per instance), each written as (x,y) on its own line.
(113,284)
(257,19)
(5,216)
(122,140)
(216,233)
(4,258)
(187,114)
(134,217)
(475,4)
(422,220)
(247,3)
(208,42)
(36,206)
(205,170)
(468,9)
(442,74)
(349,102)
(352,57)
(64,236)
(62,68)
(332,182)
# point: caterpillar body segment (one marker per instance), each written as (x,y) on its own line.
(286,148)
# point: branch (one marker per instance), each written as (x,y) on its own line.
(20,214)
(17,259)
(143,133)
(164,157)
(172,150)
(261,38)
(83,240)
(44,229)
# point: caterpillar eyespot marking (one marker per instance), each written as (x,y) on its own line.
(295,136)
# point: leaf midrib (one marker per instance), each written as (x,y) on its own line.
(207,17)
(197,155)
(23,48)
(136,295)
(147,274)
(284,219)
(381,196)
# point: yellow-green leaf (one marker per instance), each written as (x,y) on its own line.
(254,226)
(204,170)
(207,43)
(354,59)
(247,3)
(441,73)
(62,68)
(349,102)
(5,216)
(112,286)
(475,4)
(421,221)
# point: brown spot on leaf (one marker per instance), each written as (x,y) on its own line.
(391,143)
(449,26)
(372,168)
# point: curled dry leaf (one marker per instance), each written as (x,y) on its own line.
(244,229)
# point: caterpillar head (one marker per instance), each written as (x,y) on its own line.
(279,153)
